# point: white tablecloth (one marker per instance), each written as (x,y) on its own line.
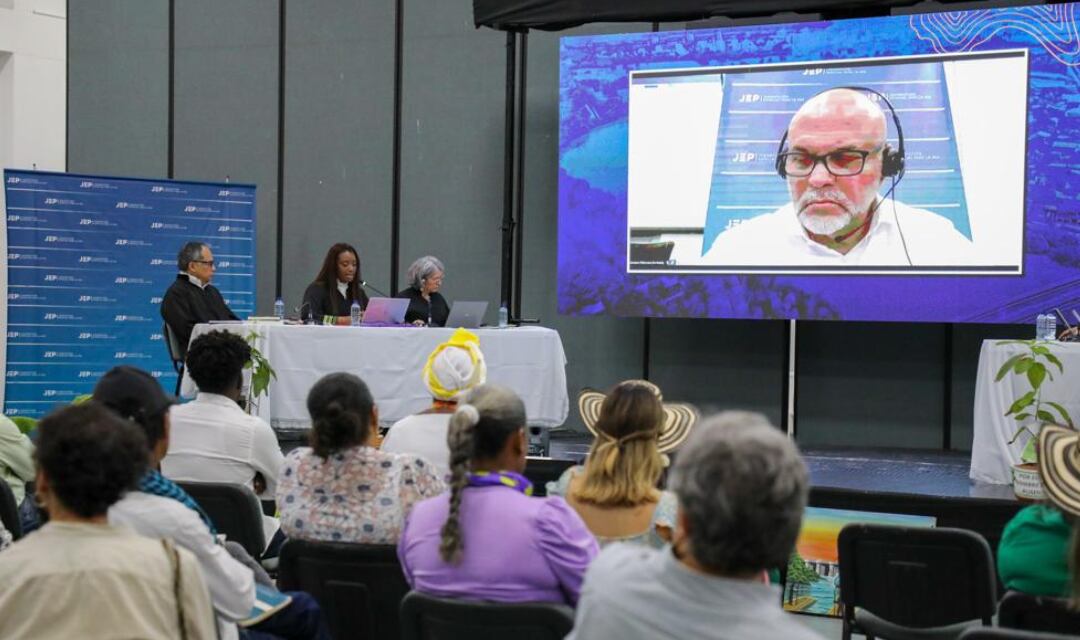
(991,457)
(529,360)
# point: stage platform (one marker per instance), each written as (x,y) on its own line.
(917,482)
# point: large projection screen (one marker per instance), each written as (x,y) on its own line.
(917,168)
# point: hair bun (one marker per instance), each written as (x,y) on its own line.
(470,413)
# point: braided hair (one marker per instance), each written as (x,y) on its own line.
(479,428)
(340,406)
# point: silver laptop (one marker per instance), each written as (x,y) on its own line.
(466,314)
(385,311)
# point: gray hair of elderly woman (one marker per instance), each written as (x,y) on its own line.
(423,268)
(742,488)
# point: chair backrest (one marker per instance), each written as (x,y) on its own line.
(916,577)
(1037,613)
(235,511)
(540,471)
(9,511)
(425,617)
(176,350)
(995,633)
(358,586)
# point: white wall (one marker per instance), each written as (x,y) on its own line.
(33,110)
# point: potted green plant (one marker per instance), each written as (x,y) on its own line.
(261,373)
(1031,411)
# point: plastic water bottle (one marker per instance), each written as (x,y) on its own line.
(1051,326)
(354,313)
(1040,326)
(504,316)
(279,309)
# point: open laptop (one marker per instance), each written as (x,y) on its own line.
(466,314)
(385,311)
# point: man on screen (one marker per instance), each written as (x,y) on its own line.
(835,161)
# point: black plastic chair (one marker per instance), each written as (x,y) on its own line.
(9,511)
(358,586)
(910,582)
(425,617)
(1037,613)
(235,511)
(540,471)
(997,633)
(176,353)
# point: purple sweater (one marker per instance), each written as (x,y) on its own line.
(517,548)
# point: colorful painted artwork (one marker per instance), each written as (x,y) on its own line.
(813,576)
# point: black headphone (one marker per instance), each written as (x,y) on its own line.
(892,161)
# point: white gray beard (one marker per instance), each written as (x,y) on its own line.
(824,225)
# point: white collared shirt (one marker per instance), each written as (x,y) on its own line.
(343,287)
(231,584)
(213,440)
(778,238)
(193,280)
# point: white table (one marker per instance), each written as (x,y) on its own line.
(529,360)
(991,455)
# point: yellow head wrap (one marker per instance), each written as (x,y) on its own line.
(455,366)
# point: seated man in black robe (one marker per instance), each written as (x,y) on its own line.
(191,299)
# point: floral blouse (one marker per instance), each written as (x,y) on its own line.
(359,495)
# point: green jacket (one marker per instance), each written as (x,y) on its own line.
(16,458)
(1033,554)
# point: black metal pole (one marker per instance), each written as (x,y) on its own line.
(519,209)
(507,276)
(279,246)
(395,191)
(170,135)
(946,395)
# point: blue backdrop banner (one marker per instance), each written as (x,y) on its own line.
(89,259)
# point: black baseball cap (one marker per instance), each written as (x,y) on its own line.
(132,392)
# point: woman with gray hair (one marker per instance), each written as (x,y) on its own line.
(427,307)
(742,488)
(488,538)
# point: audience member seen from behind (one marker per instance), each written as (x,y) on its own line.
(214,439)
(452,369)
(1039,553)
(615,492)
(742,489)
(159,508)
(427,307)
(329,298)
(191,299)
(341,488)
(488,539)
(80,577)
(17,469)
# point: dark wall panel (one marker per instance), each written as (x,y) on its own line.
(452,147)
(871,384)
(339,72)
(600,351)
(721,364)
(225,110)
(118,79)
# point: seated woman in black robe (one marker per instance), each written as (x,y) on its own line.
(328,300)
(427,307)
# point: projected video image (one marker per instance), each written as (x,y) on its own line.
(875,166)
(911,168)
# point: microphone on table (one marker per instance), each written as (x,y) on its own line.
(364,283)
(300,313)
